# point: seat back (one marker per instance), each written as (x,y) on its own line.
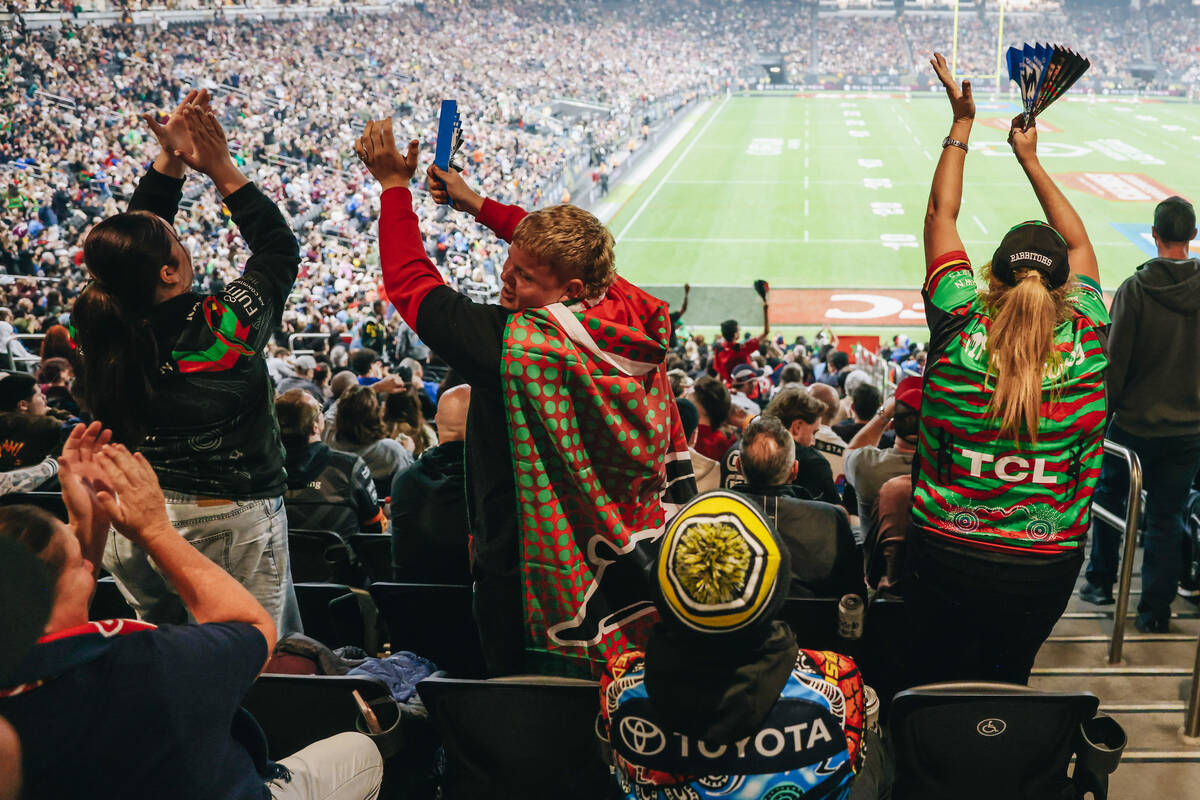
(331,614)
(814,620)
(47,501)
(435,621)
(374,552)
(297,710)
(986,741)
(518,738)
(882,651)
(108,602)
(321,557)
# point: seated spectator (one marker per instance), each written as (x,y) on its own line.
(836,362)
(429,396)
(712,403)
(360,430)
(724,684)
(27,435)
(864,402)
(828,443)
(404,422)
(58,344)
(680,382)
(883,551)
(328,490)
(708,476)
(429,526)
(178,689)
(748,383)
(303,368)
(868,466)
(367,365)
(337,387)
(825,560)
(56,377)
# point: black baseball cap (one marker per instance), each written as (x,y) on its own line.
(1032,245)
(1175,219)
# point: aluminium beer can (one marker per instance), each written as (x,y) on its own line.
(851,610)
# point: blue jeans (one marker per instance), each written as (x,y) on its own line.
(1169,466)
(247,538)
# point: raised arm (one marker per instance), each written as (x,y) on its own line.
(161,188)
(945,195)
(449,187)
(766,331)
(1058,210)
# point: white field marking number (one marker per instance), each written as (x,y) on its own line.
(793,144)
(895,241)
(872,163)
(765,147)
(877,183)
(886,209)
(859,134)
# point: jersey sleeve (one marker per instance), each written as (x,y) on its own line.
(949,290)
(1088,299)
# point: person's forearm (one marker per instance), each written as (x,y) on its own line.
(210,593)
(408,274)
(169,165)
(1058,210)
(766,321)
(227,178)
(870,434)
(945,195)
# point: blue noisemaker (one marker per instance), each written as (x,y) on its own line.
(1044,72)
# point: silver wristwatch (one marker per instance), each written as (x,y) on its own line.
(948,142)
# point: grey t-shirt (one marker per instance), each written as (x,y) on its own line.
(867,469)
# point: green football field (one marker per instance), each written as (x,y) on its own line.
(823,195)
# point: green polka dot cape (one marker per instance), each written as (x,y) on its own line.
(599,459)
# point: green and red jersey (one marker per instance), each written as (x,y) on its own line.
(974,487)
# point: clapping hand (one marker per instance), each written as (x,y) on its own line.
(173,133)
(134,503)
(376,148)
(82,478)
(961,100)
(206,150)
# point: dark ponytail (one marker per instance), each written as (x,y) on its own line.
(118,352)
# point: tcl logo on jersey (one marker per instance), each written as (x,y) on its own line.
(1011,469)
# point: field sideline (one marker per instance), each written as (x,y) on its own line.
(823,195)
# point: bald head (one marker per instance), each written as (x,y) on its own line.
(451,418)
(342,381)
(828,397)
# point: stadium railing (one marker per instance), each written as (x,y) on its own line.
(295,336)
(1128,528)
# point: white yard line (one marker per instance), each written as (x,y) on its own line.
(806,206)
(662,182)
(775,240)
(979,222)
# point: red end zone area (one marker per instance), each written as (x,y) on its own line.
(1131,187)
(833,307)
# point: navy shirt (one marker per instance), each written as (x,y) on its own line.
(149,718)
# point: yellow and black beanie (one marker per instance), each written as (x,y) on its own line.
(721,567)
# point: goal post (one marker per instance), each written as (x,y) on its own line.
(998,75)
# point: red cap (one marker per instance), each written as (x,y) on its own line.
(909,392)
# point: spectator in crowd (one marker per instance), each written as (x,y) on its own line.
(27,434)
(56,377)
(180,375)
(680,382)
(800,414)
(58,344)
(747,385)
(722,679)
(828,443)
(864,402)
(1004,416)
(883,550)
(1155,403)
(429,395)
(825,560)
(367,365)
(178,689)
(711,398)
(429,527)
(706,470)
(677,316)
(868,466)
(303,369)
(734,352)
(404,422)
(360,430)
(337,387)
(562,303)
(328,490)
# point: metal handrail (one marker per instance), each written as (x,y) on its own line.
(292,341)
(1129,529)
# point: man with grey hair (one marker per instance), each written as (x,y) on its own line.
(825,560)
(828,443)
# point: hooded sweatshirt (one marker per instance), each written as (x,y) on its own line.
(1154,346)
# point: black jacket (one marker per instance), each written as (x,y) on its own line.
(429,518)
(212,428)
(328,490)
(825,560)
(1153,350)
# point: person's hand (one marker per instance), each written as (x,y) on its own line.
(406,442)
(208,150)
(376,148)
(1023,140)
(135,502)
(390,384)
(173,133)
(687,287)
(961,100)
(888,409)
(448,187)
(82,477)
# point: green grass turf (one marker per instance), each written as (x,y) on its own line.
(792,207)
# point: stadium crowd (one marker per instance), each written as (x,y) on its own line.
(481,385)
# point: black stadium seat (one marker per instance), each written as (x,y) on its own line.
(108,602)
(374,552)
(986,741)
(524,737)
(322,557)
(297,710)
(331,614)
(814,620)
(47,501)
(435,621)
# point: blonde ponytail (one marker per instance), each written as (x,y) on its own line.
(1020,348)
